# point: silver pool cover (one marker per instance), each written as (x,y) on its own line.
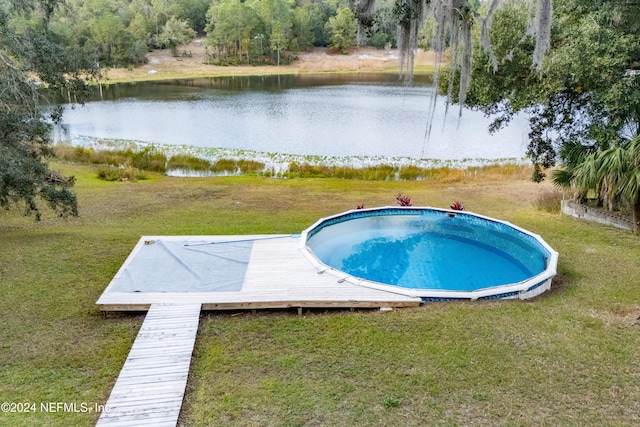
(185,266)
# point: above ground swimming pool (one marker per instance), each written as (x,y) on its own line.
(432,253)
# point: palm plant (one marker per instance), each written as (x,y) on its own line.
(573,155)
(614,174)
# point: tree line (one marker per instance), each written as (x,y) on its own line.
(119,33)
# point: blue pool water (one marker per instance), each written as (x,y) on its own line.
(427,249)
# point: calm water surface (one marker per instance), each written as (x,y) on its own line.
(427,249)
(340,115)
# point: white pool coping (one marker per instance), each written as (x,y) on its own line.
(526,289)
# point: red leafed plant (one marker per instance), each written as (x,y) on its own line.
(457,206)
(403,200)
(360,206)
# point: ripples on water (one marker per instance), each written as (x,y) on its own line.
(305,115)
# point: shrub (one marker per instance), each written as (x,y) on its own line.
(109,173)
(184,161)
(83,154)
(149,159)
(114,173)
(348,172)
(306,170)
(107,157)
(224,165)
(411,172)
(549,200)
(66,152)
(382,172)
(379,40)
(250,166)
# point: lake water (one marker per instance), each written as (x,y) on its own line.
(351,115)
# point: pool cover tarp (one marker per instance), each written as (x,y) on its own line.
(185,266)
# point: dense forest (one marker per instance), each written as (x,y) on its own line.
(119,33)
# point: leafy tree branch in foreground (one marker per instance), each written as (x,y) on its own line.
(30,59)
(583,102)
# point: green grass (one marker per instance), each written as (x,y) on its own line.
(569,358)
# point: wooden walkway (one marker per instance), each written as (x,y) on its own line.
(151,385)
(150,388)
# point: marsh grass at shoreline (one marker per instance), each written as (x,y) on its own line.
(197,161)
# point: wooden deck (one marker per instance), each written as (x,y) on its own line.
(151,385)
(278,276)
(150,388)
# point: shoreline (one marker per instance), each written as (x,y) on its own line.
(161,65)
(278,164)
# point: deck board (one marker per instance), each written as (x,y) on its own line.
(151,385)
(278,276)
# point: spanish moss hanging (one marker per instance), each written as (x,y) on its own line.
(452,30)
(453,23)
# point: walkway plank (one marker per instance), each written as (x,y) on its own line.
(150,387)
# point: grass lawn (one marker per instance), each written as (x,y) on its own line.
(570,357)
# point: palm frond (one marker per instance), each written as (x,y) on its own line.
(562,178)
